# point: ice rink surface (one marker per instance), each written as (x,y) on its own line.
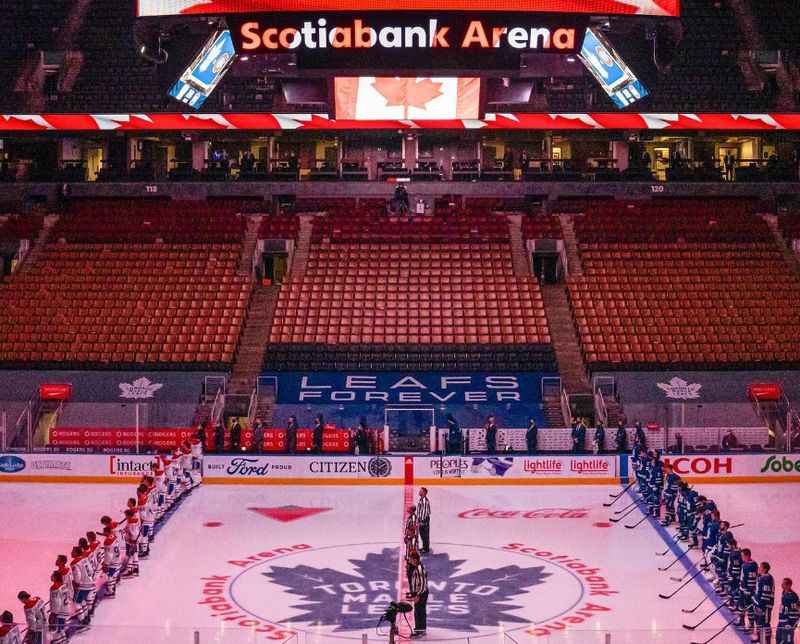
(321,563)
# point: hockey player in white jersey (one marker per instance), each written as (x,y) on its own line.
(132,533)
(112,560)
(60,607)
(147,516)
(83,574)
(9,631)
(197,461)
(35,616)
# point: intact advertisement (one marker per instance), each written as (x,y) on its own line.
(74,468)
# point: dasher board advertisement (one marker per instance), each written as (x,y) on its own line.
(601,7)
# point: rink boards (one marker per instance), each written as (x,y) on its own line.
(255,469)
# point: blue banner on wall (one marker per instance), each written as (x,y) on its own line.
(325,388)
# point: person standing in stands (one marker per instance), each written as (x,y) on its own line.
(219,438)
(236,436)
(362,437)
(424,520)
(578,436)
(319,426)
(599,438)
(640,437)
(729,441)
(532,436)
(201,434)
(258,436)
(621,438)
(291,434)
(453,435)
(729,163)
(491,435)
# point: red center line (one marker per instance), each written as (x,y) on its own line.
(402,585)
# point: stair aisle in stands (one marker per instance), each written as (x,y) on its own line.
(574,266)
(564,339)
(519,253)
(254,340)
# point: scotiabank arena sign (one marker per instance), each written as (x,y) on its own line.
(406,40)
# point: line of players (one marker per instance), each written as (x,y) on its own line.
(99,565)
(746,586)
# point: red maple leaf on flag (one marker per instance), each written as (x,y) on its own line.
(407,92)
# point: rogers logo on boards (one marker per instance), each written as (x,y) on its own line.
(541,513)
(701,464)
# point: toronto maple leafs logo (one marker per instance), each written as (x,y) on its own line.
(352,601)
(679,389)
(139,389)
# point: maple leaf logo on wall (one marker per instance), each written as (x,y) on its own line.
(408,92)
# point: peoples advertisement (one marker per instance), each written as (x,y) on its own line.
(369,97)
(601,7)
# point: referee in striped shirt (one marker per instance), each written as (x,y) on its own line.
(419,593)
(424,520)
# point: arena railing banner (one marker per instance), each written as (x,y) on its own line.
(406,388)
(73,468)
(213,7)
(129,437)
(260,121)
(108,386)
(317,469)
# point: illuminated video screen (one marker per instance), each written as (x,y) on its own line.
(608,68)
(599,7)
(367,98)
(201,78)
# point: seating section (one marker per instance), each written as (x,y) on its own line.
(541,227)
(90,300)
(397,294)
(279,227)
(683,285)
(18,227)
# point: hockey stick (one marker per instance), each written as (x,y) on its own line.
(674,538)
(679,588)
(640,521)
(617,497)
(622,516)
(676,560)
(706,618)
(719,632)
(691,610)
(630,505)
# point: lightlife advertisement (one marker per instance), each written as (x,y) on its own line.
(669,8)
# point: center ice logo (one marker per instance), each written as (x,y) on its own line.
(354,602)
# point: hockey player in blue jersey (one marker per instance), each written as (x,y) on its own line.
(671,484)
(747,589)
(720,557)
(763,603)
(734,574)
(656,485)
(711,525)
(788,615)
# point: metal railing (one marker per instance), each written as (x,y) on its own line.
(600,409)
(566,410)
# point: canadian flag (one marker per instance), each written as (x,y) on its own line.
(370,97)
